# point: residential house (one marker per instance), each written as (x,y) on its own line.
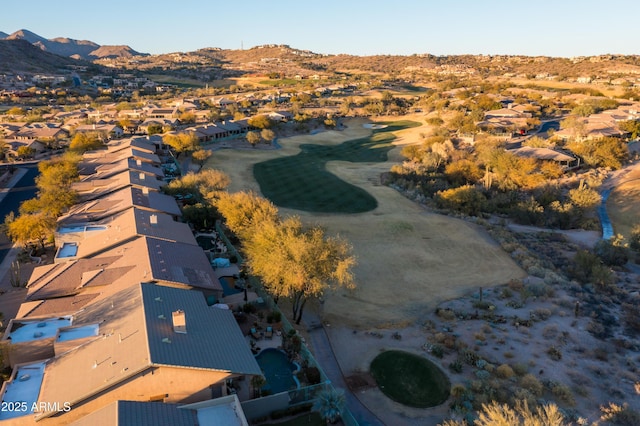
(225,410)
(102,171)
(90,189)
(119,201)
(107,131)
(154,343)
(564,160)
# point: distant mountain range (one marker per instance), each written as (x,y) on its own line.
(76,49)
(21,56)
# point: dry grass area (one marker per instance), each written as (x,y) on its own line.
(409,260)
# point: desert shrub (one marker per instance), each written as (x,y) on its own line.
(541,314)
(550,331)
(249,308)
(598,330)
(612,252)
(563,393)
(554,353)
(482,374)
(446,314)
(521,394)
(504,371)
(277,316)
(540,289)
(505,293)
(456,366)
(620,415)
(482,304)
(532,384)
(449,341)
(466,199)
(313,375)
(515,285)
(631,315)
(437,351)
(468,357)
(520,369)
(601,353)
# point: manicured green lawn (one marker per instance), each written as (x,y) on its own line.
(410,379)
(302,181)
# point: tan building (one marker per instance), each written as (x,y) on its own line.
(153,343)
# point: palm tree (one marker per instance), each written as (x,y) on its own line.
(329,404)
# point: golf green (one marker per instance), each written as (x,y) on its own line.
(410,379)
(302,181)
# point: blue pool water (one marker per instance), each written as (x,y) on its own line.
(68,250)
(227,289)
(278,371)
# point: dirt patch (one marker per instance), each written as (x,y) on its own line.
(359,382)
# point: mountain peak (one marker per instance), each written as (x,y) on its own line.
(69,47)
(23,34)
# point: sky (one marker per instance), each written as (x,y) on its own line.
(562,28)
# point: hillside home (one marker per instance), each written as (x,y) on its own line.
(564,160)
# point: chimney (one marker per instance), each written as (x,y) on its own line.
(179,321)
(153,220)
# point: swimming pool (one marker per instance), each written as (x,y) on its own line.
(228,287)
(278,371)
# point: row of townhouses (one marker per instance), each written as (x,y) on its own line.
(119,328)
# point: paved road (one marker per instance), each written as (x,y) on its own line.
(11,198)
(323,353)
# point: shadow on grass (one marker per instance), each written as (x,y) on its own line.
(302,181)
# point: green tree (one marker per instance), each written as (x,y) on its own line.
(297,262)
(260,122)
(604,152)
(245,211)
(537,142)
(268,135)
(204,185)
(613,252)
(632,127)
(83,142)
(154,129)
(462,172)
(253,138)
(25,152)
(466,199)
(330,403)
(576,125)
(201,156)
(182,142)
(187,117)
(511,172)
(28,228)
